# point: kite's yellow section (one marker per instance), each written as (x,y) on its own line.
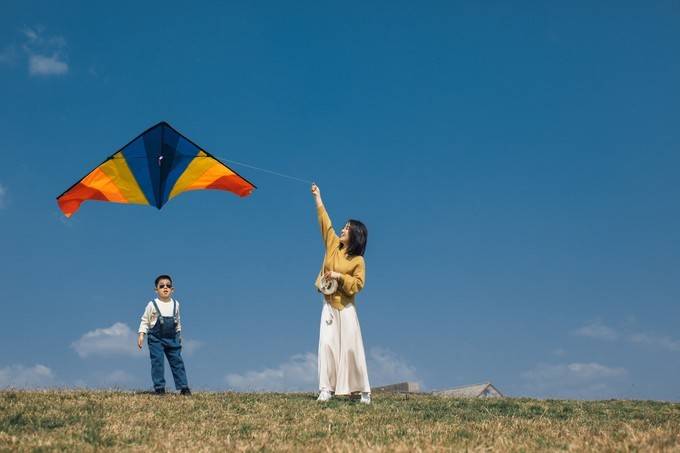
(117,169)
(200,174)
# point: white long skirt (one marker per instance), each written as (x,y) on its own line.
(342,361)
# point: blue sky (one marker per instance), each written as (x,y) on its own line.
(516,165)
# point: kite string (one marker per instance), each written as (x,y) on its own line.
(294,178)
(306,181)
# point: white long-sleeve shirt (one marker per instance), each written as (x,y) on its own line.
(150,316)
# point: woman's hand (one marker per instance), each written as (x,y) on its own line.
(317,195)
(332,274)
(140,340)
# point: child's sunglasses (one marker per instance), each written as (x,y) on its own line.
(164,286)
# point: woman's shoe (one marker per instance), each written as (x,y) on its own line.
(324,395)
(365,398)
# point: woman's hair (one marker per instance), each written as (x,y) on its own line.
(358,237)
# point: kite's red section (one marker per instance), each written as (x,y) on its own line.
(70,202)
(232,183)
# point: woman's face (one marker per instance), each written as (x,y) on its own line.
(344,234)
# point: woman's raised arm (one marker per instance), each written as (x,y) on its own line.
(330,239)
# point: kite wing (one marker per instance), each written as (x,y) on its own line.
(153,168)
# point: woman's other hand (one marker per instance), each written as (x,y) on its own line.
(332,274)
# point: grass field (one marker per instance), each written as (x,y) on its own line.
(112,420)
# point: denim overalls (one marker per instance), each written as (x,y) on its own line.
(163,337)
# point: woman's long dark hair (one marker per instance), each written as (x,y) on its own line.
(358,237)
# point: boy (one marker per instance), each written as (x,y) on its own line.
(161,322)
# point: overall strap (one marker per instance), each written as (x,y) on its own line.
(160,316)
(174,310)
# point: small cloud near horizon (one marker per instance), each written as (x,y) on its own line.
(3,196)
(597,330)
(663,342)
(119,339)
(296,374)
(572,380)
(19,376)
(385,367)
(191,346)
(118,378)
(299,373)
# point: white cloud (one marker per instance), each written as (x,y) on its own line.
(3,196)
(597,330)
(300,373)
(666,343)
(30,33)
(43,65)
(19,376)
(118,339)
(118,378)
(191,346)
(572,380)
(385,367)
(106,379)
(572,372)
(46,54)
(297,374)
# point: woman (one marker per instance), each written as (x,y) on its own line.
(342,362)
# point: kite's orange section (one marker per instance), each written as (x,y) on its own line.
(100,181)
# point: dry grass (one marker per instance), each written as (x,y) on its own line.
(111,420)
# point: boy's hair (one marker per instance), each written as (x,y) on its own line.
(162,277)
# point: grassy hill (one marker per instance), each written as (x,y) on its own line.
(114,420)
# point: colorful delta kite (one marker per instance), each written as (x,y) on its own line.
(153,168)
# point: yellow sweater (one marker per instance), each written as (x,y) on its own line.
(352,268)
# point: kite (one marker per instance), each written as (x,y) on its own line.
(159,164)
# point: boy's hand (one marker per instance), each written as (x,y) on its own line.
(140,340)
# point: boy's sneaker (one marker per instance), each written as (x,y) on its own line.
(365,398)
(324,395)
(159,391)
(185,391)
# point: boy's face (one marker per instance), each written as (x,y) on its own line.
(164,288)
